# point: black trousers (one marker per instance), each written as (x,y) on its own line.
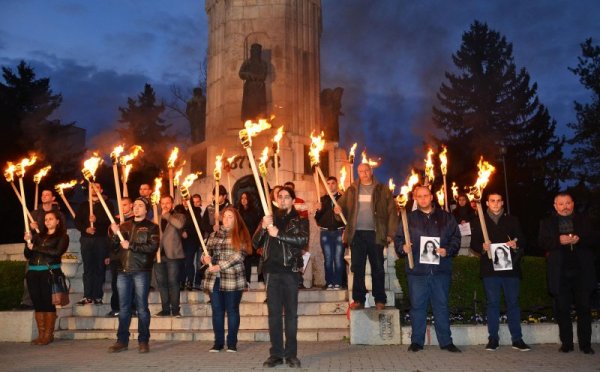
(571,291)
(40,290)
(282,298)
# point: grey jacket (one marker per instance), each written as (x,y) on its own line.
(170,240)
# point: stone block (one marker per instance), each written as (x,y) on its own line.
(17,326)
(333,307)
(322,321)
(307,335)
(375,327)
(333,334)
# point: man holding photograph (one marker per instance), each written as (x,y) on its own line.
(429,282)
(502,273)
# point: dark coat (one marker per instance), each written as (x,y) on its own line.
(508,228)
(143,244)
(437,223)
(549,240)
(47,249)
(325,216)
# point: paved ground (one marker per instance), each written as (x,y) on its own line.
(322,356)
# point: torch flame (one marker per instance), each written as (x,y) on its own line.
(316,146)
(254,128)
(444,160)
(90,166)
(218,167)
(277,138)
(155,197)
(189,180)
(429,166)
(342,182)
(66,185)
(133,153)
(114,155)
(413,179)
(173,157)
(264,156)
(483,177)
(440,196)
(351,153)
(177,175)
(366,160)
(37,178)
(23,164)
(391,185)
(126,172)
(454,191)
(9,172)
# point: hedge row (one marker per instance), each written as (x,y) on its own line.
(466,291)
(11,283)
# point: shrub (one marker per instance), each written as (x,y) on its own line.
(11,283)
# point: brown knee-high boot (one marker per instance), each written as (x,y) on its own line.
(50,318)
(41,326)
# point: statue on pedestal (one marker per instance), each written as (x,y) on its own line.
(331,109)
(196,113)
(254,73)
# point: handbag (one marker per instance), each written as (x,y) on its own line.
(60,289)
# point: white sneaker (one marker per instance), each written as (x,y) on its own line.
(330,287)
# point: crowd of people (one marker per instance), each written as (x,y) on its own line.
(169,257)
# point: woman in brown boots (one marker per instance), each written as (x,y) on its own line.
(43,251)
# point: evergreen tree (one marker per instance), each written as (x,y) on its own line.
(489,105)
(142,125)
(586,139)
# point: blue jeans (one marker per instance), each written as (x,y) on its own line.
(363,246)
(93,252)
(333,250)
(494,285)
(282,298)
(422,289)
(167,278)
(221,302)
(130,284)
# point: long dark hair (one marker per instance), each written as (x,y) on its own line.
(506,255)
(250,200)
(434,248)
(240,237)
(60,228)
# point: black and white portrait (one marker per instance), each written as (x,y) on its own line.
(501,257)
(428,253)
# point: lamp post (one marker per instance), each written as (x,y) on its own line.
(503,152)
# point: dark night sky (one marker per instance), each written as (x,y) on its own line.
(390,56)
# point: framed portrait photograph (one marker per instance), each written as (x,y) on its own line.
(428,247)
(501,257)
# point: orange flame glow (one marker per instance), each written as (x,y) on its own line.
(177,175)
(37,178)
(454,191)
(116,153)
(440,196)
(316,146)
(412,180)
(9,172)
(189,180)
(155,197)
(429,167)
(173,157)
(90,166)
(254,128)
(444,160)
(133,153)
(365,160)
(391,185)
(66,185)
(351,153)
(276,139)
(342,183)
(483,177)
(218,167)
(23,164)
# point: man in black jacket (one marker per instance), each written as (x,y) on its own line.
(569,242)
(502,229)
(331,237)
(135,258)
(282,239)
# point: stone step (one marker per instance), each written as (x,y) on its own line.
(258,296)
(203,309)
(187,323)
(261,335)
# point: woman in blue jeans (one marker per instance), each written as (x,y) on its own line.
(225,279)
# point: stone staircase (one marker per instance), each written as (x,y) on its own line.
(321,314)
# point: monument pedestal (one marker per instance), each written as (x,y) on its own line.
(375,327)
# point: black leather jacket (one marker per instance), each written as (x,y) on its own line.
(47,249)
(143,240)
(290,240)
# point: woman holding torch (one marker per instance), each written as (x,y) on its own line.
(43,253)
(225,279)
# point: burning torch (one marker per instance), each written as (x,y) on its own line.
(217,176)
(60,190)
(154,200)
(444,169)
(252,129)
(114,156)
(351,155)
(170,166)
(276,140)
(126,166)
(476,192)
(185,195)
(37,178)
(262,168)
(402,199)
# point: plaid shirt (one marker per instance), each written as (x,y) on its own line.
(231,261)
